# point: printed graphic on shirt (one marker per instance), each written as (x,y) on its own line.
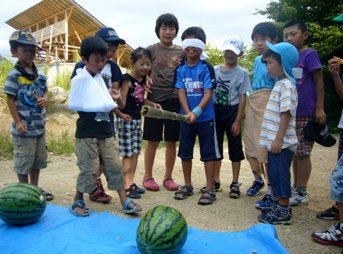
(193,88)
(164,60)
(138,93)
(222,93)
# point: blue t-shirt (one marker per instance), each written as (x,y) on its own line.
(261,77)
(195,80)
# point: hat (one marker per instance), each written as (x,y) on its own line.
(233,43)
(109,34)
(289,57)
(24,37)
(338,18)
(319,133)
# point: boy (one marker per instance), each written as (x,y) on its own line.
(261,88)
(94,139)
(111,74)
(278,130)
(165,57)
(229,103)
(310,87)
(26,92)
(195,80)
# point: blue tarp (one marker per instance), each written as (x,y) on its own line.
(58,231)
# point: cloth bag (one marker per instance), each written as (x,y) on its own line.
(89,94)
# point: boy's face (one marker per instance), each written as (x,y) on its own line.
(273,67)
(230,57)
(167,35)
(111,49)
(295,36)
(26,54)
(192,53)
(260,43)
(95,63)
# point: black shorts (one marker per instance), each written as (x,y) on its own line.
(161,129)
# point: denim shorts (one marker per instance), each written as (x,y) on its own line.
(336,183)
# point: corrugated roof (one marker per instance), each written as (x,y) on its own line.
(81,24)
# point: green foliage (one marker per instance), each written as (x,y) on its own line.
(76,56)
(63,80)
(215,55)
(6,151)
(5,67)
(63,143)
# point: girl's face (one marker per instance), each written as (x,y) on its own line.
(167,35)
(142,66)
(274,68)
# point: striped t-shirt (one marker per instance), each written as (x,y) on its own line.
(282,99)
(26,93)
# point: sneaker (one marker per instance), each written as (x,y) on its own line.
(274,216)
(254,190)
(298,200)
(331,213)
(99,196)
(333,236)
(266,201)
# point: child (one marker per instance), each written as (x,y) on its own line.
(112,75)
(26,92)
(95,145)
(229,103)
(310,87)
(129,118)
(257,101)
(195,80)
(165,56)
(278,130)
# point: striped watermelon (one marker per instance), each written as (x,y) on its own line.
(162,230)
(21,204)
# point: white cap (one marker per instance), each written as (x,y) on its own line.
(234,43)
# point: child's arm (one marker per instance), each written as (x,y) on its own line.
(184,104)
(152,104)
(236,126)
(319,112)
(20,126)
(42,101)
(276,145)
(334,69)
(202,105)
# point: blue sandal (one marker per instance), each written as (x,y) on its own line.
(81,204)
(133,208)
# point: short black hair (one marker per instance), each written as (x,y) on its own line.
(301,24)
(166,19)
(14,45)
(195,31)
(265,29)
(139,53)
(276,56)
(91,45)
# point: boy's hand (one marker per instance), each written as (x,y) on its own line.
(115,94)
(156,105)
(147,86)
(276,146)
(192,117)
(21,127)
(176,93)
(236,129)
(320,116)
(127,118)
(42,101)
(334,67)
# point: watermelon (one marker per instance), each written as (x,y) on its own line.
(21,204)
(162,230)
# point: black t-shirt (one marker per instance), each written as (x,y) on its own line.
(88,127)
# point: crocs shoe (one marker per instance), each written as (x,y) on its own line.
(150,184)
(99,196)
(170,184)
(254,190)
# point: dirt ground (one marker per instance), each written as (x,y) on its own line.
(225,215)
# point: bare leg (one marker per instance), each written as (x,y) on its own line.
(209,172)
(187,172)
(23,178)
(170,157)
(340,209)
(304,170)
(216,174)
(236,167)
(129,169)
(100,172)
(283,201)
(149,158)
(34,176)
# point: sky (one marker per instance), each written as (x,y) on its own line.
(134,21)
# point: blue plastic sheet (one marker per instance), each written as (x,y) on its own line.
(58,231)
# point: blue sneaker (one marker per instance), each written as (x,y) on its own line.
(254,190)
(274,216)
(266,201)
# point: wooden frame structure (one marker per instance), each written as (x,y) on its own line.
(59,27)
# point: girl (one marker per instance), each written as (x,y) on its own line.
(129,118)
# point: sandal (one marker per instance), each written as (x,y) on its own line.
(216,185)
(185,191)
(170,184)
(150,184)
(210,198)
(133,208)
(138,189)
(132,193)
(99,196)
(234,190)
(80,204)
(48,196)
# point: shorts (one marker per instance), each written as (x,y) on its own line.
(304,147)
(130,137)
(279,172)
(29,153)
(206,132)
(225,118)
(340,145)
(162,129)
(336,187)
(95,153)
